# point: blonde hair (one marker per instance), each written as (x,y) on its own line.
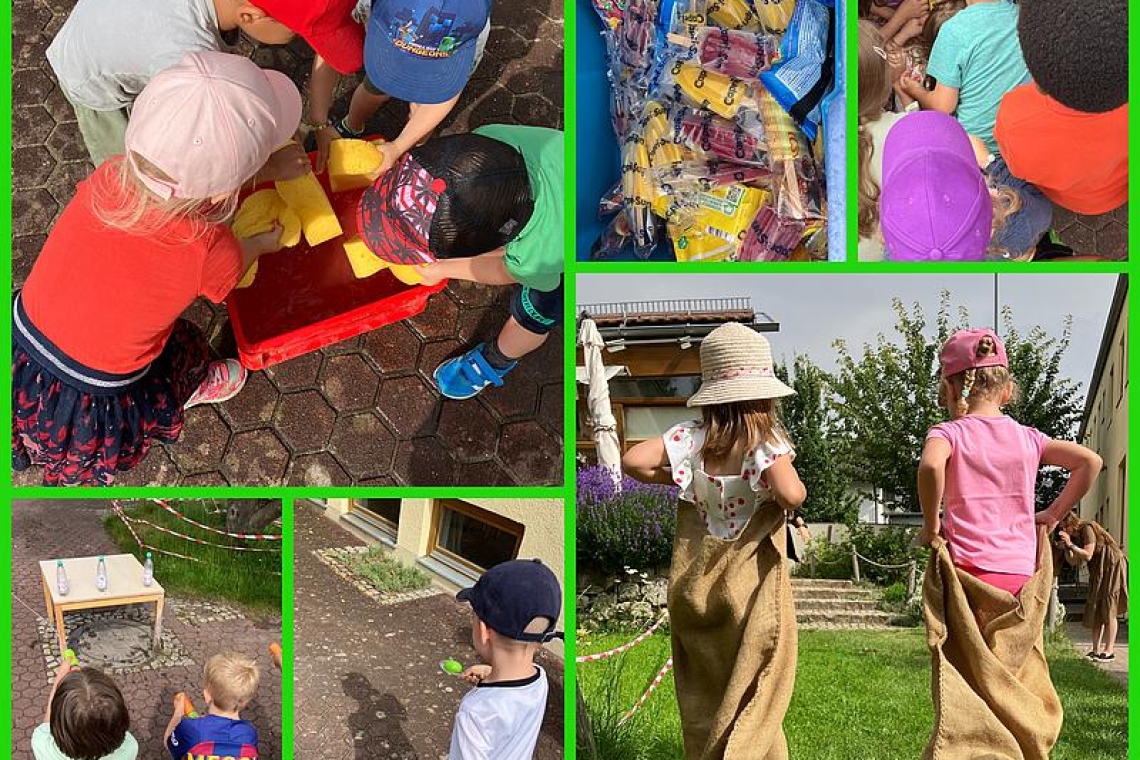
(232,679)
(727,425)
(977,382)
(939,15)
(874,90)
(1072,523)
(121,201)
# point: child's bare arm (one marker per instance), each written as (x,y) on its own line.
(257,246)
(176,718)
(907,10)
(60,673)
(785,484)
(648,462)
(941,98)
(1083,465)
(322,84)
(931,485)
(488,268)
(422,121)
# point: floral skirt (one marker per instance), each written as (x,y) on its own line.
(84,438)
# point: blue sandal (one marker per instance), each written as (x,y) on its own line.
(465,376)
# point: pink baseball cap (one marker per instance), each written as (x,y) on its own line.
(210,122)
(960,352)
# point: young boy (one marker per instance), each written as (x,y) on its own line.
(419,51)
(108,50)
(485,207)
(516,607)
(231,683)
(86,718)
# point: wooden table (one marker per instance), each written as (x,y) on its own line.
(124,586)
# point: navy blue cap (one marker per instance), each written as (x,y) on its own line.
(512,594)
(422,51)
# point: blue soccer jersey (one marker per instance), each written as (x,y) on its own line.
(213,737)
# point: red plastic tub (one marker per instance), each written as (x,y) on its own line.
(304,298)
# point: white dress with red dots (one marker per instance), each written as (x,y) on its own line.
(725,502)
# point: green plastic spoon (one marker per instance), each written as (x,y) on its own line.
(451,667)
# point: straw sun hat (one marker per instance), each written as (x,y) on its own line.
(736,365)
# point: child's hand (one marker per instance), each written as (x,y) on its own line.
(476,673)
(267,242)
(912,89)
(179,703)
(391,154)
(911,29)
(910,9)
(324,138)
(927,536)
(432,273)
(287,162)
(1046,519)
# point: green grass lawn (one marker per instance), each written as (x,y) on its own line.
(859,694)
(250,579)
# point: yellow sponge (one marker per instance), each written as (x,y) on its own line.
(257,213)
(290,224)
(248,277)
(353,164)
(406,274)
(306,196)
(364,262)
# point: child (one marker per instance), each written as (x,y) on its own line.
(409,57)
(1086,541)
(730,605)
(484,207)
(987,586)
(102,364)
(86,719)
(976,60)
(108,50)
(874,124)
(231,684)
(515,607)
(1074,100)
(936,205)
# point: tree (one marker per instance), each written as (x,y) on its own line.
(251,515)
(885,399)
(819,455)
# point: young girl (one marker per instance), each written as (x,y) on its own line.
(987,585)
(86,718)
(1086,541)
(730,603)
(102,363)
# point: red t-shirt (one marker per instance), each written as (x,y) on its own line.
(1078,160)
(109,299)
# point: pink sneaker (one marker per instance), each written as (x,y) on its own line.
(223,381)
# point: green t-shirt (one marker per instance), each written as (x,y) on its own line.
(977,52)
(535,257)
(44,747)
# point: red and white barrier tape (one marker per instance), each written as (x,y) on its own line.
(652,688)
(245,536)
(624,647)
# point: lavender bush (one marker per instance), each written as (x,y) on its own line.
(630,528)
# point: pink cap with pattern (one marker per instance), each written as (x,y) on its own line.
(960,352)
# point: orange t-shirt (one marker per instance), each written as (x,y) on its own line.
(1078,160)
(109,299)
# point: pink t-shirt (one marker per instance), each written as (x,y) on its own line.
(988,505)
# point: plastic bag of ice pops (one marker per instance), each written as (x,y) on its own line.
(612,201)
(638,190)
(775,15)
(637,36)
(610,11)
(740,54)
(799,188)
(731,14)
(615,239)
(727,97)
(705,132)
(771,236)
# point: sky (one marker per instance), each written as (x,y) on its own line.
(815,309)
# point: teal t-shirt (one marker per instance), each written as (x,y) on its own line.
(978,53)
(535,258)
(44,746)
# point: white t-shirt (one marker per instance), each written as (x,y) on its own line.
(45,748)
(108,50)
(500,721)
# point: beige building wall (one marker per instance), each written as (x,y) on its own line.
(1106,432)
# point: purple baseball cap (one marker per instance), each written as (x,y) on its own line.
(935,205)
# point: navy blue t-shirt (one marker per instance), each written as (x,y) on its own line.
(213,736)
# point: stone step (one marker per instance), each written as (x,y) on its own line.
(847,627)
(861,617)
(836,606)
(833,593)
(820,583)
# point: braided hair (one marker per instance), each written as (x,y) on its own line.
(978,382)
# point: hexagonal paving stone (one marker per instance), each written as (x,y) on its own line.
(29,50)
(409,406)
(425,462)
(155,470)
(25,250)
(203,442)
(468,430)
(298,373)
(473,294)
(31,86)
(64,179)
(349,383)
(254,405)
(30,21)
(394,348)
(213,479)
(304,421)
(256,458)
(33,212)
(531,455)
(66,144)
(435,353)
(363,445)
(317,470)
(484,474)
(551,409)
(437,320)
(31,166)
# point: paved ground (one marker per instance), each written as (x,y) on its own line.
(1082,641)
(363,411)
(43,530)
(368,684)
(1104,235)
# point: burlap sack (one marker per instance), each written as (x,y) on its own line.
(734,637)
(993,698)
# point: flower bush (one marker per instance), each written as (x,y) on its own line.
(632,527)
